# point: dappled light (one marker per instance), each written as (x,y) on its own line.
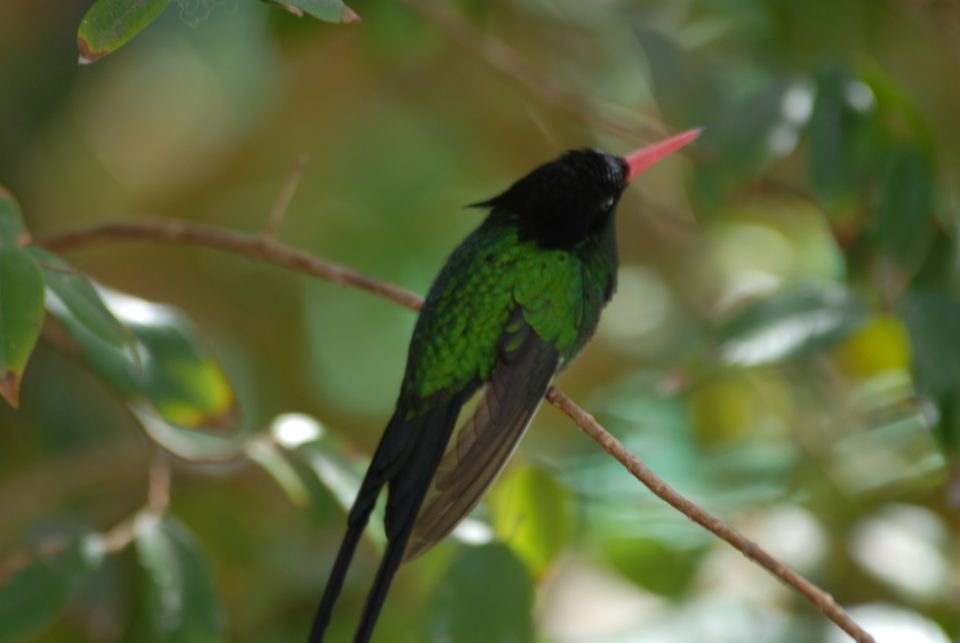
(292,430)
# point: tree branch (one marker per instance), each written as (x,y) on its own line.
(158,487)
(254,246)
(819,598)
(265,249)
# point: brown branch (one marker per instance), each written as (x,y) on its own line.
(263,249)
(47,548)
(253,246)
(118,538)
(820,599)
(616,120)
(158,486)
(158,499)
(114,539)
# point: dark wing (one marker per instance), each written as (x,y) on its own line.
(405,460)
(525,365)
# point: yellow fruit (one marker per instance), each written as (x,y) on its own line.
(879,346)
(724,409)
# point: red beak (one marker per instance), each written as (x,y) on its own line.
(643,158)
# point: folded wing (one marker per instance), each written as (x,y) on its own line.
(483,443)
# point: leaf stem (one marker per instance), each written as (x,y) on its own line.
(158,489)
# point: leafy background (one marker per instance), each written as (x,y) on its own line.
(784,345)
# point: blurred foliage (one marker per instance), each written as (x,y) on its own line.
(783,347)
(108,24)
(329,10)
(182,604)
(34,594)
(530,511)
(469,611)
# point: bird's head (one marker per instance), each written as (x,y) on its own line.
(562,202)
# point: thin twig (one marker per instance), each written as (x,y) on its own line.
(613,119)
(270,251)
(47,548)
(111,542)
(279,209)
(820,599)
(118,538)
(114,539)
(253,246)
(158,488)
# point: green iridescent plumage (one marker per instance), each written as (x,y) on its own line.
(515,302)
(490,275)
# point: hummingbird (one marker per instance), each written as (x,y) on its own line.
(515,302)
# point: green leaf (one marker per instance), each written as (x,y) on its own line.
(933,321)
(70,293)
(750,119)
(658,566)
(747,130)
(327,10)
(846,139)
(948,428)
(108,24)
(334,468)
(188,444)
(170,369)
(341,474)
(268,456)
(33,596)
(485,597)
(531,514)
(687,87)
(182,603)
(790,325)
(21,316)
(12,228)
(902,224)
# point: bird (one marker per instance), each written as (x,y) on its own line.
(514,303)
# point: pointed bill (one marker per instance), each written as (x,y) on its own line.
(643,158)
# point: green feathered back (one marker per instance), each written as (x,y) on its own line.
(561,293)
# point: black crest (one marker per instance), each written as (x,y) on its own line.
(562,202)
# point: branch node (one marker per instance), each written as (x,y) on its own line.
(119,537)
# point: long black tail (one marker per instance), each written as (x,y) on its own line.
(407,458)
(407,491)
(356,522)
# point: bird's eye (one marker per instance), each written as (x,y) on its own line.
(607,203)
